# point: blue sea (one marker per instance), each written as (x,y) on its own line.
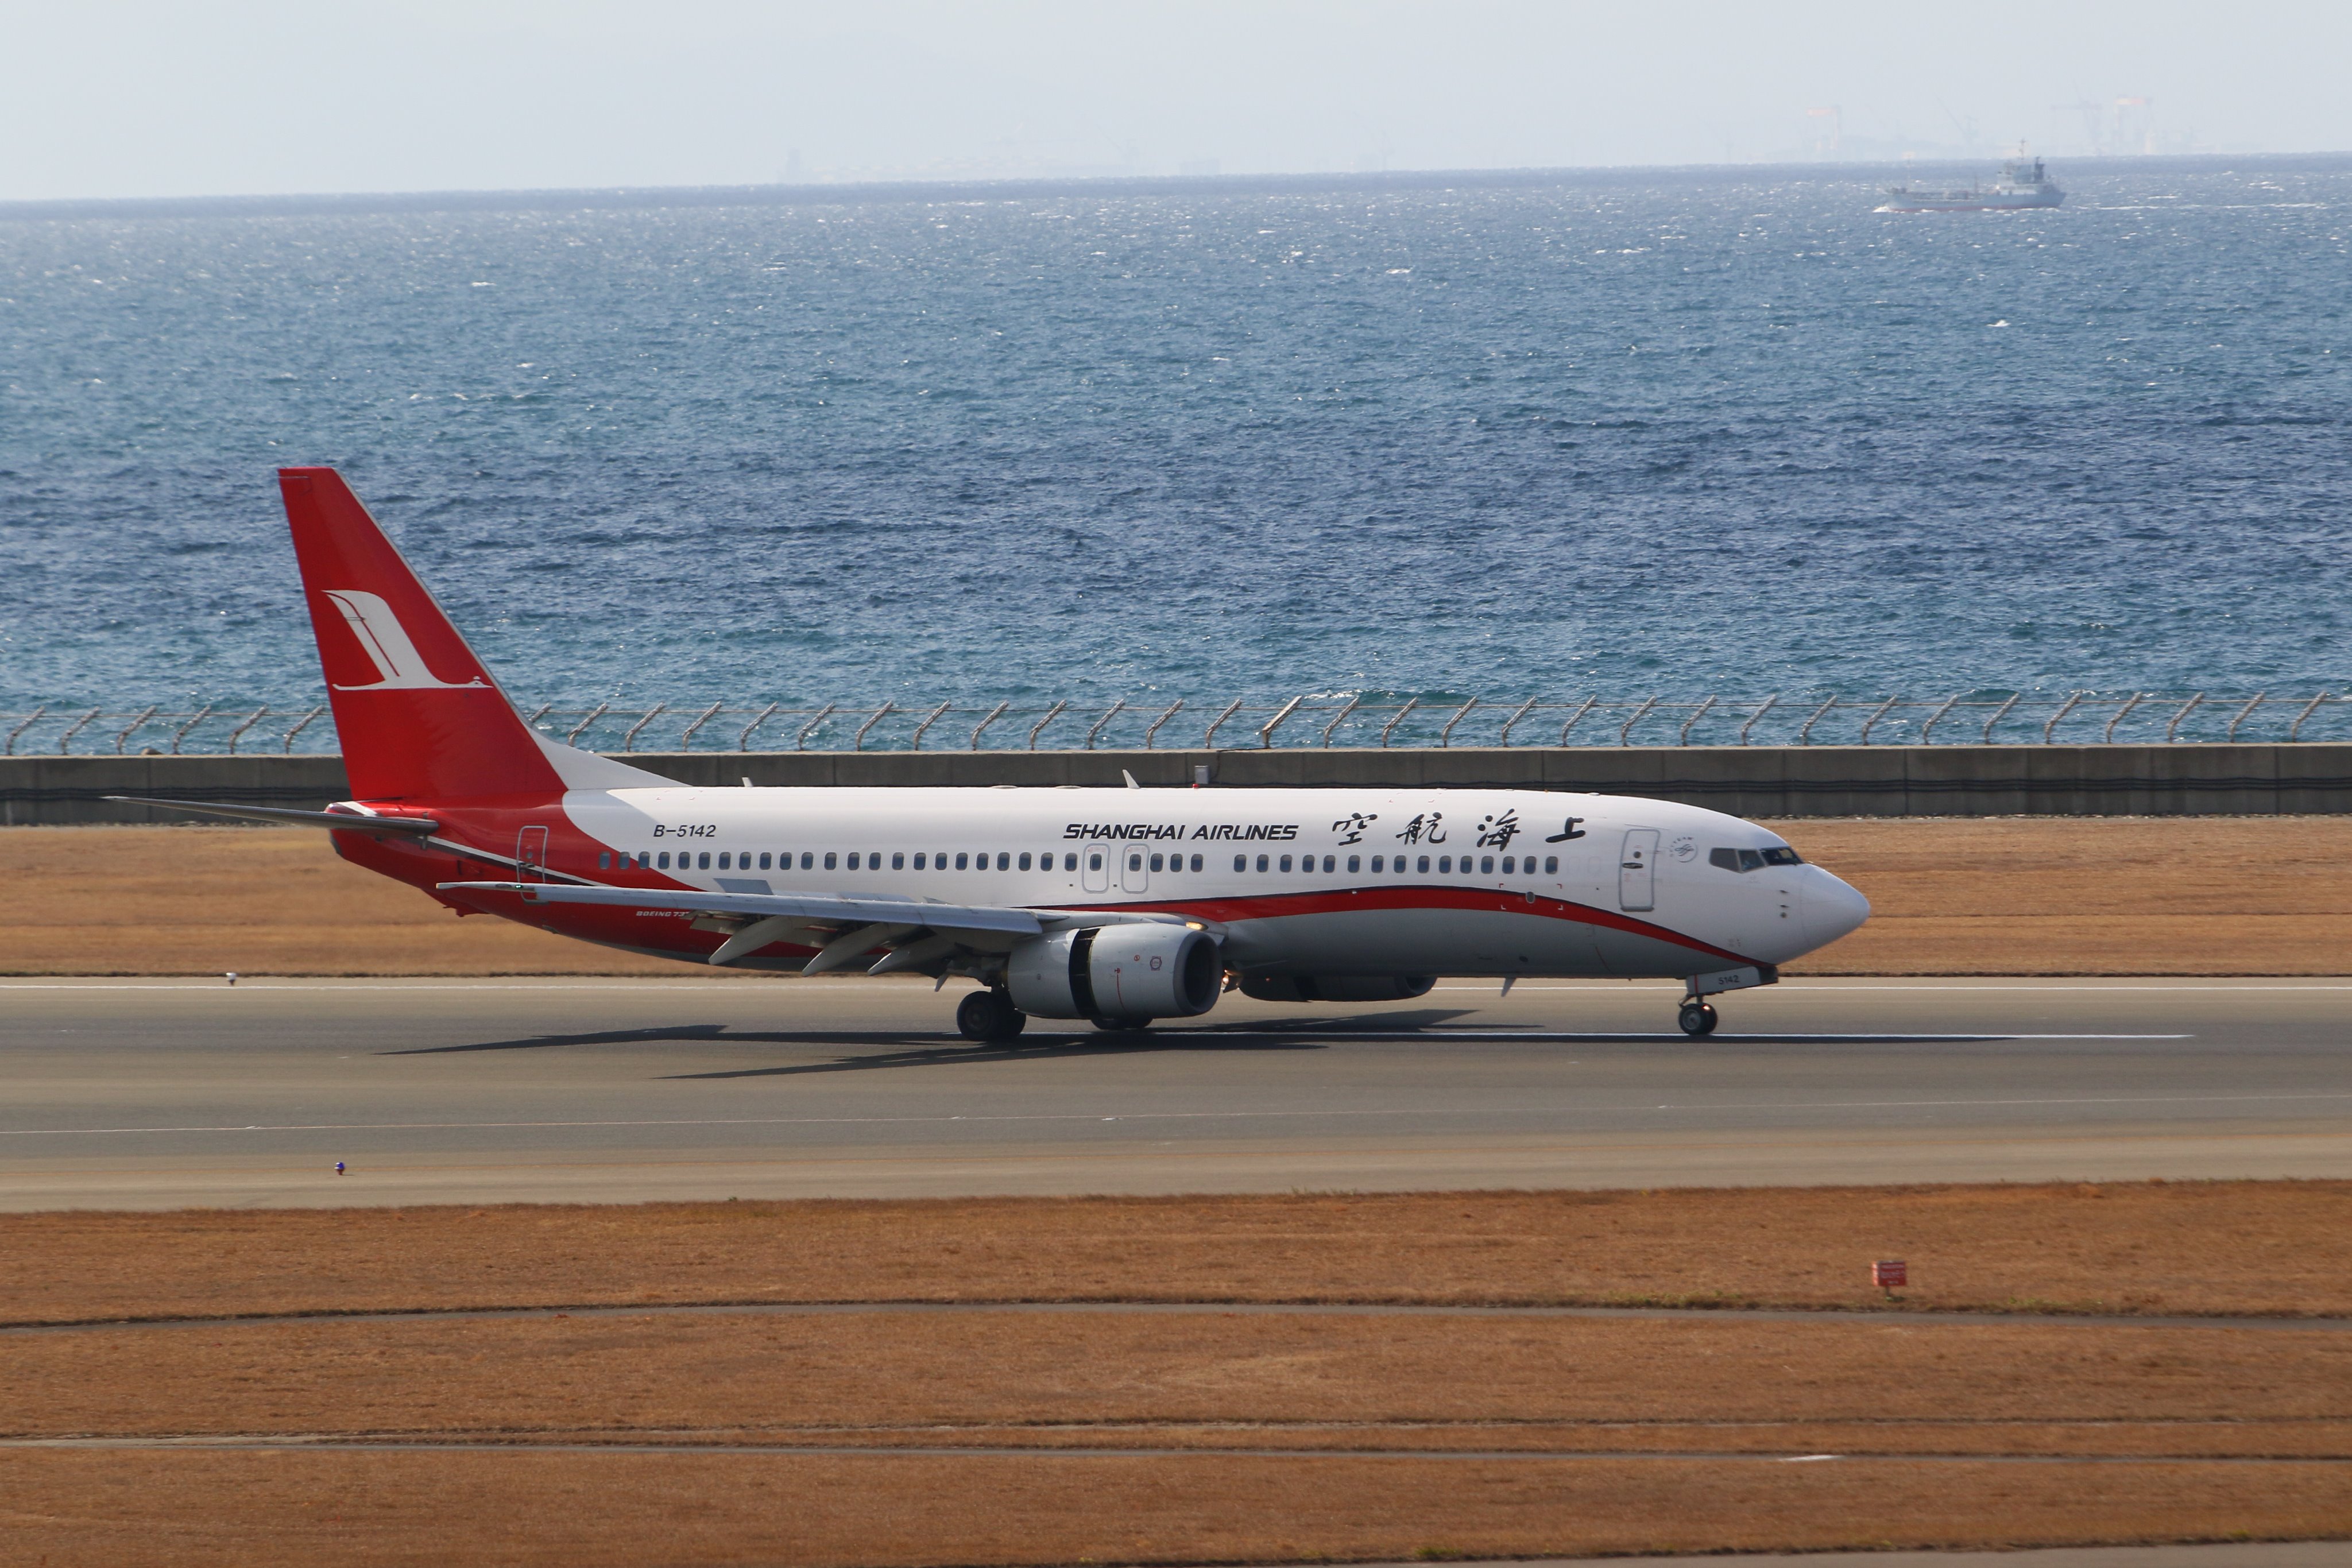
(1696,436)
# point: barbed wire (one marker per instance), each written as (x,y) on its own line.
(1338,719)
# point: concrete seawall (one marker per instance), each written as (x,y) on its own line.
(1749,781)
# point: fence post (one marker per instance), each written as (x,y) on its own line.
(879,713)
(800,741)
(1116,708)
(1683,738)
(629,741)
(1051,715)
(2064,709)
(993,715)
(1625,733)
(1150,734)
(1445,736)
(1390,728)
(1209,741)
(1265,735)
(916,743)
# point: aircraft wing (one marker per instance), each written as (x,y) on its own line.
(816,909)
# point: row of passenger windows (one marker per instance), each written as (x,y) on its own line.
(729,860)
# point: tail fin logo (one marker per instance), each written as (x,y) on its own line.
(386,641)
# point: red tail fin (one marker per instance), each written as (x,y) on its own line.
(418,714)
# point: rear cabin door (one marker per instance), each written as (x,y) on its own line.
(1637,870)
(530,854)
(1096,876)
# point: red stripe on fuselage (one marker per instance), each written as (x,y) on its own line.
(1279,906)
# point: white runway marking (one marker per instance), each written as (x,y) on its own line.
(1150,1115)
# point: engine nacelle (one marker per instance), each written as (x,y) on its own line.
(1335,987)
(1127,971)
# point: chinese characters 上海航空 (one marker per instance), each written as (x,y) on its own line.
(1497,833)
(1425,828)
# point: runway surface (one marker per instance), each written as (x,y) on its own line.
(172,1094)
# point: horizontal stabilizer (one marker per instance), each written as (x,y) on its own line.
(340,821)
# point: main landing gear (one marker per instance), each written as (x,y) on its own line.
(990,1015)
(1696,1017)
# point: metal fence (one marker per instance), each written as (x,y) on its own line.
(1341,720)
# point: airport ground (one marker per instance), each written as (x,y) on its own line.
(1469,1277)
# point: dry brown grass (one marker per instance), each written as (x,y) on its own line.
(1954,897)
(573,1510)
(1190,1379)
(2199,1247)
(2206,896)
(558,1411)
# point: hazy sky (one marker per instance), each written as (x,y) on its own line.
(183,97)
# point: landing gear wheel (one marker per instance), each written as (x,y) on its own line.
(1697,1018)
(989,1015)
(1120,1026)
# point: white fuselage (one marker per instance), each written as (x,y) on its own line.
(1295,882)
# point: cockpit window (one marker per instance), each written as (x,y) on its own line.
(1753,860)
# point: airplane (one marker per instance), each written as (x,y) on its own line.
(1118,906)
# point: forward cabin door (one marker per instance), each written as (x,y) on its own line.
(1637,870)
(530,854)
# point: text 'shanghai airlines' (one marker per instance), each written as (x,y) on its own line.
(1118,905)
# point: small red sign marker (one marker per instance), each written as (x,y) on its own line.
(1889,1274)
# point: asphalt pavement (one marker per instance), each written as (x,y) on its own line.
(162,1093)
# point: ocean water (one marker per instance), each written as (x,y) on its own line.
(1695,437)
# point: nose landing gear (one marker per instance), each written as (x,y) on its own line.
(1696,1017)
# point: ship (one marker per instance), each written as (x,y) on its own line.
(2022,183)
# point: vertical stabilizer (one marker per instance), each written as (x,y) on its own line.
(419,717)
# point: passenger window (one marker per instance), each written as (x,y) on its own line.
(1070,861)
(1507,866)
(1261,862)
(963,861)
(664,859)
(1024,860)
(1330,862)
(1094,860)
(722,860)
(1005,860)
(1135,859)
(1425,864)
(1551,865)
(763,860)
(1750,860)
(1444,863)
(1240,863)
(1355,862)
(853,860)
(706,859)
(897,860)
(1485,866)
(1196,862)
(603,860)
(1286,862)
(808,858)
(1159,862)
(1377,860)
(918,859)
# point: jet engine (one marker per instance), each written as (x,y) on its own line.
(1335,987)
(1127,971)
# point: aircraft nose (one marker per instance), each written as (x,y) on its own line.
(1832,907)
